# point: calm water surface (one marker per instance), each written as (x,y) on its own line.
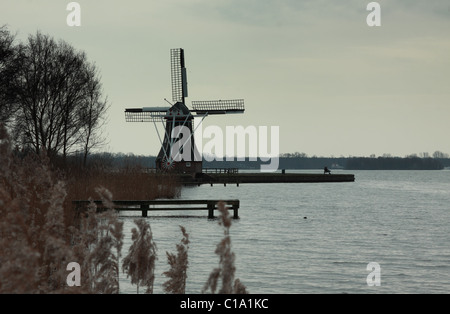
(398,219)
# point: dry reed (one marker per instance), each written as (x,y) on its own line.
(139,264)
(177,273)
(33,244)
(125,184)
(226,270)
(98,243)
(39,236)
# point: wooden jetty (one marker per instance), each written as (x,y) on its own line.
(144,206)
(239,178)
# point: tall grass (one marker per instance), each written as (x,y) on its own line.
(224,273)
(97,243)
(128,183)
(39,236)
(139,263)
(33,233)
(177,273)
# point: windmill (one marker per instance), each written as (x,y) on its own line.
(178,151)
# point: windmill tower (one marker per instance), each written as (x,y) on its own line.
(178,151)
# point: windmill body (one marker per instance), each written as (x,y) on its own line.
(178,121)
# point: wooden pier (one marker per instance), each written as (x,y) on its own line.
(240,178)
(144,206)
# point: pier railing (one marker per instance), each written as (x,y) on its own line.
(220,170)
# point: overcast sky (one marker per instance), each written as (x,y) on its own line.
(333,85)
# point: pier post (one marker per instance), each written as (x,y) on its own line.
(144,209)
(236,210)
(211,210)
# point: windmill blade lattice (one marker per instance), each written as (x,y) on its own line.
(145,114)
(218,106)
(179,76)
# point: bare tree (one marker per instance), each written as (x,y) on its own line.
(60,98)
(8,69)
(438,154)
(92,117)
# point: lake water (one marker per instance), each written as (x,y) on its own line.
(398,219)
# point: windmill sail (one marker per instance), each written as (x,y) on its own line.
(218,106)
(179,76)
(146,114)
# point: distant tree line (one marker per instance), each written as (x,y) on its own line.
(386,162)
(393,163)
(423,161)
(50,96)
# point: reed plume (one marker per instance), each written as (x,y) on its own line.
(226,270)
(98,245)
(177,273)
(139,264)
(33,245)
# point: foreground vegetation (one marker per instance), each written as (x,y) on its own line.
(40,233)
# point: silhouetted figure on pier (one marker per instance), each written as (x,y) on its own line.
(326,170)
